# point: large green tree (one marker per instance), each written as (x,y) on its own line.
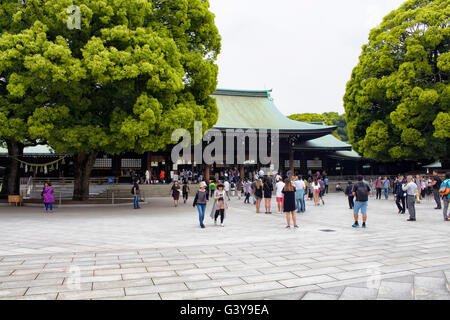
(329,118)
(15,109)
(398,99)
(135,71)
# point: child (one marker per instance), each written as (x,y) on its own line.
(220,204)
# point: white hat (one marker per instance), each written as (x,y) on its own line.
(261,173)
(202,184)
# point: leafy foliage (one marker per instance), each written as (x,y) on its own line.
(137,70)
(398,99)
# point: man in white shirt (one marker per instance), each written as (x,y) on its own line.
(147,177)
(279,188)
(227,189)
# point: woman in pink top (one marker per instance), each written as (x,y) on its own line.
(48,197)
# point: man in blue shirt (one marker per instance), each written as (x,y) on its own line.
(446,199)
(387,187)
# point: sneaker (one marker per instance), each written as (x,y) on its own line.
(411,219)
(215,223)
(323,202)
(296,227)
(288,227)
(202,226)
(222,225)
(356,225)
(364,225)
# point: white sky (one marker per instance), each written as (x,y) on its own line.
(304,50)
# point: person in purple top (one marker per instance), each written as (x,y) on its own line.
(49,199)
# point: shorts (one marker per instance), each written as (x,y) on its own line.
(360,205)
(279,199)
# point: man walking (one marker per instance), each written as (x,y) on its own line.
(227,189)
(436,184)
(446,198)
(379,186)
(136,193)
(387,187)
(361,192)
(411,192)
(400,199)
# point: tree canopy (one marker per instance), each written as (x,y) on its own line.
(397,101)
(135,71)
(329,118)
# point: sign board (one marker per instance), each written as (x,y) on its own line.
(296,164)
(316,164)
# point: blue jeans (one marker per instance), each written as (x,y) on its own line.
(48,205)
(201,212)
(136,201)
(301,205)
(300,198)
(386,193)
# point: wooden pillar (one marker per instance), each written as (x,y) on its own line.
(291,161)
(207,172)
(149,164)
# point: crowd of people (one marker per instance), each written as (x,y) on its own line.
(291,192)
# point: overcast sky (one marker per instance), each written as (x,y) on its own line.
(304,50)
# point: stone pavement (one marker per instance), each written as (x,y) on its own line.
(159,252)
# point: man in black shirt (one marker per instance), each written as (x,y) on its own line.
(361,191)
(436,184)
(136,193)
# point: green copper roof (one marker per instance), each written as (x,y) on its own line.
(328,142)
(256,110)
(36,150)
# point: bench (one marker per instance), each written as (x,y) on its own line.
(15,199)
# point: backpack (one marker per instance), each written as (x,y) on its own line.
(362,194)
(132,191)
(445,189)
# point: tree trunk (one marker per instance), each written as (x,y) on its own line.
(11,183)
(83,164)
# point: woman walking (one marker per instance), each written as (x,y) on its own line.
(49,199)
(258,194)
(316,191)
(268,189)
(175,191)
(200,201)
(289,203)
(186,191)
(220,204)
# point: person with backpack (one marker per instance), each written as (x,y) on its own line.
(349,193)
(361,191)
(435,184)
(212,187)
(445,192)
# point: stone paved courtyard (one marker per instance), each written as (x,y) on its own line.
(159,252)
